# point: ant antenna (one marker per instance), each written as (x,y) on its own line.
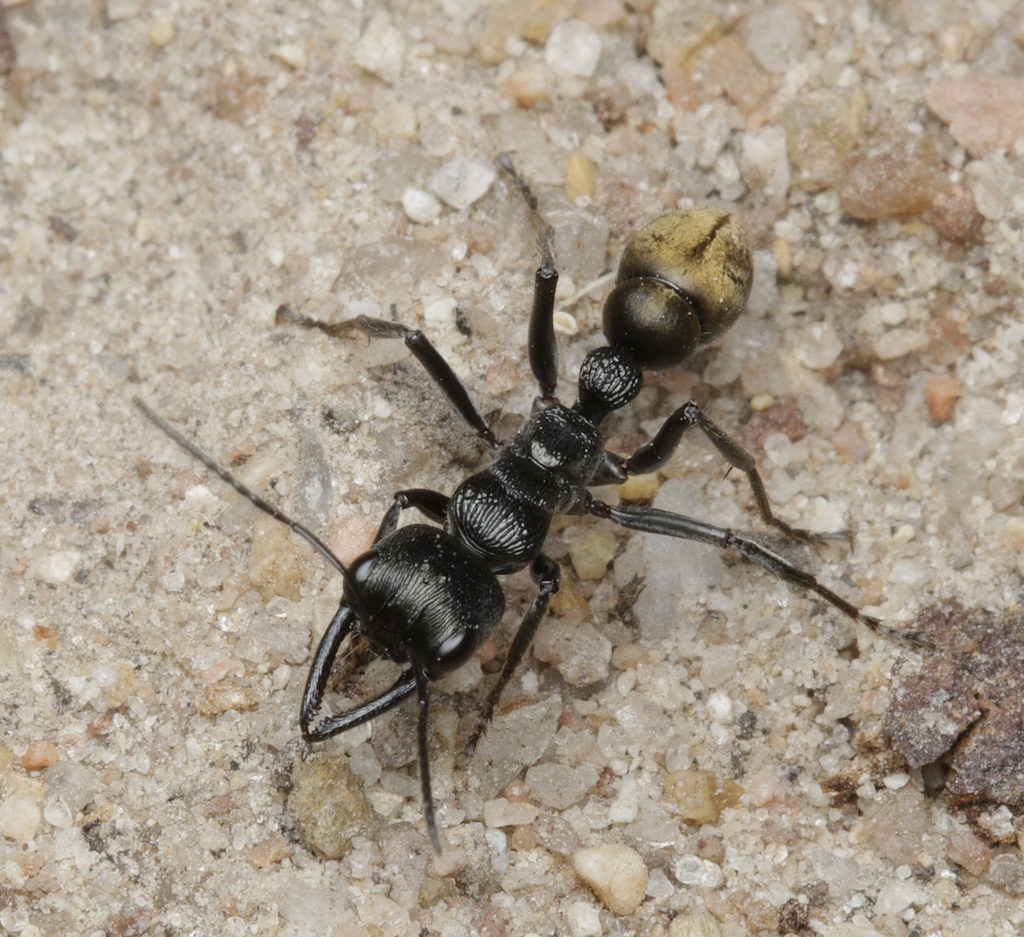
(265,506)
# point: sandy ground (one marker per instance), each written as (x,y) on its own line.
(170,174)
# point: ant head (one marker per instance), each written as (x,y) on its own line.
(682,281)
(421,598)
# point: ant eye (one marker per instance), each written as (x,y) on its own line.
(458,649)
(362,567)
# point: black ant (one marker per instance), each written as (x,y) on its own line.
(427,595)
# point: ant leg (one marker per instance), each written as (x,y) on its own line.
(547,574)
(431,504)
(411,680)
(439,370)
(654,454)
(543,350)
(424,758)
(653,521)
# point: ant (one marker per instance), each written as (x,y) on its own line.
(427,595)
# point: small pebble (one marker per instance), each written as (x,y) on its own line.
(743,81)
(500,812)
(19,819)
(775,37)
(764,163)
(396,123)
(720,708)
(680,88)
(118,10)
(677,31)
(580,176)
(57,567)
(161,31)
(954,214)
(579,652)
(626,806)
(895,823)
(692,870)
(640,487)
(512,21)
(462,181)
(941,394)
(984,112)
(628,656)
(968,850)
(383,916)
(528,85)
(381,49)
(616,873)
(583,919)
(329,806)
(900,174)
(591,549)
(225,696)
(57,813)
(822,128)
(897,343)
(39,755)
(559,786)
(573,48)
(819,347)
(698,924)
(420,206)
(514,740)
(291,54)
(269,852)
(565,322)
(692,793)
(895,896)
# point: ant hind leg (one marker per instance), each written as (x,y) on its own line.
(655,521)
(541,344)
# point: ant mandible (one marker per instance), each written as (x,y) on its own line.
(427,595)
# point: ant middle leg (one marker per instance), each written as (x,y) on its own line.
(439,370)
(655,521)
(547,573)
(652,455)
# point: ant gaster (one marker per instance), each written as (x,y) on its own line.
(427,595)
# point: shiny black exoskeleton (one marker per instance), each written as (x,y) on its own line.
(427,595)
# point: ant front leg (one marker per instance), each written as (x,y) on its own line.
(654,454)
(439,370)
(412,680)
(654,521)
(431,504)
(547,575)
